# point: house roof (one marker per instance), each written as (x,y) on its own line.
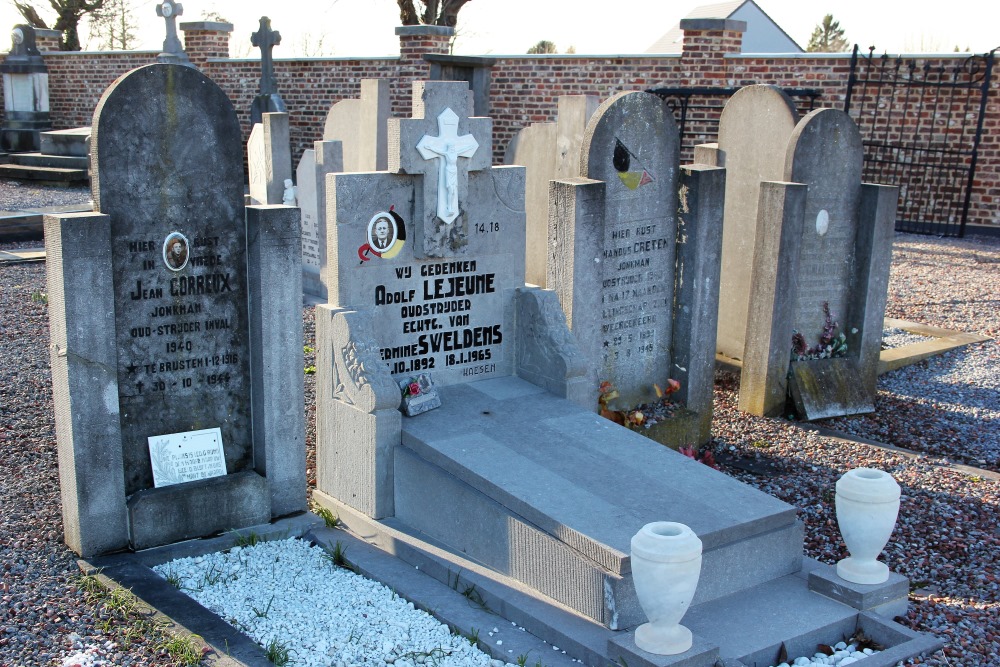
(673,40)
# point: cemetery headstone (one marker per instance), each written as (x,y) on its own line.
(175,311)
(324,158)
(621,239)
(269,159)
(173,50)
(820,277)
(26,93)
(548,151)
(754,121)
(360,126)
(267,100)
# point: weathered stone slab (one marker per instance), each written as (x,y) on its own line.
(828,388)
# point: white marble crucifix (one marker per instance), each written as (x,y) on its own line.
(447,147)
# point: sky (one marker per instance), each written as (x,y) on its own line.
(503,27)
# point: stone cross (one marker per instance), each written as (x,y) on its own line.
(441,131)
(266,39)
(170,10)
(447,147)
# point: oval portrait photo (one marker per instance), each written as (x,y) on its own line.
(175,251)
(382,232)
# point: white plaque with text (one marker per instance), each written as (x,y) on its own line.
(185,457)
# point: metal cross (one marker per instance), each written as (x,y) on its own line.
(170,10)
(266,39)
(447,147)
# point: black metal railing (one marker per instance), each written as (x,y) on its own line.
(697,110)
(921,126)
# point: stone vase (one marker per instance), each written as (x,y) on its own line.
(867,505)
(666,564)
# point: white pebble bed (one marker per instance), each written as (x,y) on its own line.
(844,654)
(290,592)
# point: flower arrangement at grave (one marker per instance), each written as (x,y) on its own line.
(831,344)
(642,416)
(704,456)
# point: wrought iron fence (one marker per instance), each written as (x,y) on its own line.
(921,126)
(697,110)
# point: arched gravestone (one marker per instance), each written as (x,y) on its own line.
(169,320)
(755,125)
(163,170)
(821,262)
(634,257)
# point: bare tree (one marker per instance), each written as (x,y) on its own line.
(113,26)
(828,37)
(435,12)
(68,16)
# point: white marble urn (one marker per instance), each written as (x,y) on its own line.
(666,564)
(867,506)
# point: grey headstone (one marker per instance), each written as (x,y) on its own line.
(200,293)
(754,128)
(176,372)
(826,154)
(614,249)
(269,159)
(310,177)
(361,127)
(548,151)
(828,269)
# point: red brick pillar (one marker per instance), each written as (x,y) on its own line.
(706,43)
(414,42)
(206,39)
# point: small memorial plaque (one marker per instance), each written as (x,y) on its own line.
(186,457)
(419,395)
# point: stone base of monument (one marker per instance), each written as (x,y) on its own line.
(742,629)
(682,428)
(539,498)
(194,509)
(59,156)
(824,388)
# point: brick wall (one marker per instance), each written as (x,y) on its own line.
(523,89)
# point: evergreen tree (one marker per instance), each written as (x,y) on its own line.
(828,37)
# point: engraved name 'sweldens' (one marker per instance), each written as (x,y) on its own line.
(437,306)
(633,292)
(169,342)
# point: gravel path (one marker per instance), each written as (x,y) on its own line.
(947,541)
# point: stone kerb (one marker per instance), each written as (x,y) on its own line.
(622,238)
(189,315)
(754,128)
